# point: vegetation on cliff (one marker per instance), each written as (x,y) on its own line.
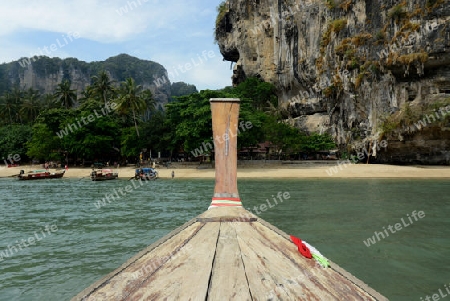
(43,73)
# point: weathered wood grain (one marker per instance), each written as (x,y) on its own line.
(318,282)
(187,276)
(228,280)
(118,284)
(225,117)
(270,274)
(357,282)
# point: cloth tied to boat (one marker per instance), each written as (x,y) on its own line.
(309,251)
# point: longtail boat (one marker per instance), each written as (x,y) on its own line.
(40,174)
(103,175)
(227,253)
(146,173)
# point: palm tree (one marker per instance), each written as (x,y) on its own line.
(87,94)
(65,95)
(102,86)
(131,100)
(48,102)
(9,105)
(7,108)
(17,98)
(147,96)
(31,105)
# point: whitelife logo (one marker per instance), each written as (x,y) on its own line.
(207,146)
(70,37)
(195,62)
(398,226)
(19,246)
(73,127)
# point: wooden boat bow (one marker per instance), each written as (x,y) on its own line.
(226,253)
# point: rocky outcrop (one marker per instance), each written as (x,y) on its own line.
(44,74)
(360,70)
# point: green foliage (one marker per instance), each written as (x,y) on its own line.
(93,140)
(64,95)
(318,142)
(124,66)
(380,37)
(181,89)
(157,132)
(44,144)
(102,87)
(55,119)
(133,100)
(397,12)
(191,118)
(46,66)
(87,133)
(330,4)
(13,139)
(221,12)
(119,67)
(334,26)
(131,144)
(338,25)
(410,115)
(283,136)
(259,92)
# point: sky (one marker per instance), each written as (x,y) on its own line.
(170,32)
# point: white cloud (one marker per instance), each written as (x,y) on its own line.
(211,77)
(112,21)
(204,68)
(170,32)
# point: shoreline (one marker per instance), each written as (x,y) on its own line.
(294,171)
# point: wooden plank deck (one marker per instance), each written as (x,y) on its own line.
(210,259)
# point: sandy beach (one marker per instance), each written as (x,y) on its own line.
(331,170)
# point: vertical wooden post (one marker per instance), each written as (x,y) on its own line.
(225,117)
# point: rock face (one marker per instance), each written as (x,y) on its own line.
(360,70)
(44,74)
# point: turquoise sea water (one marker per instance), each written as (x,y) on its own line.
(334,215)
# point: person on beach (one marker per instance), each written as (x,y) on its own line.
(173,174)
(66,167)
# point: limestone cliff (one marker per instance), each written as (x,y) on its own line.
(44,74)
(361,70)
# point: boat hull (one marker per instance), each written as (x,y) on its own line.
(146,174)
(146,177)
(103,175)
(104,178)
(27,177)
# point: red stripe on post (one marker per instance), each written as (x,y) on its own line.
(226,199)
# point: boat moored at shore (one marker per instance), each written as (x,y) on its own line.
(103,175)
(146,173)
(40,174)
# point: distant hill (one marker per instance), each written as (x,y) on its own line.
(44,74)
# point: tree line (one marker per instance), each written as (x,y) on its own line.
(115,122)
